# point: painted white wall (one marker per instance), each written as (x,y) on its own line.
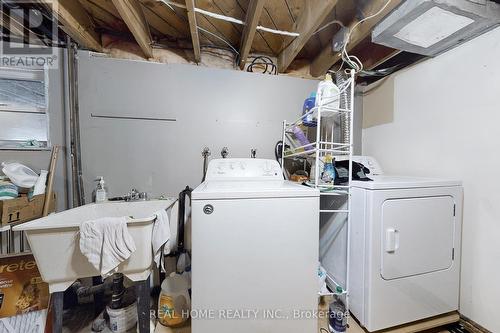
(445,123)
(213,108)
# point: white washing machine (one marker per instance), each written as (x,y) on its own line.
(254,250)
(405,248)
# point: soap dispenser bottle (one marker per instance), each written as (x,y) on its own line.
(100,193)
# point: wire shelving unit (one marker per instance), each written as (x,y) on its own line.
(327,143)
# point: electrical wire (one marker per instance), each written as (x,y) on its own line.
(278,32)
(329,24)
(269,67)
(351,60)
(219,16)
(220,38)
(338,70)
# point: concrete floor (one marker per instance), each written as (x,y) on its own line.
(79,320)
(353,328)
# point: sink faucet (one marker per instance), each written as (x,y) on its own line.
(135,195)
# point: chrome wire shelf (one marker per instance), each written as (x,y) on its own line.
(315,151)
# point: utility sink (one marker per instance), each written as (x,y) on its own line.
(54,240)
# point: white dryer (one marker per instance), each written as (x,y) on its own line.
(254,250)
(405,248)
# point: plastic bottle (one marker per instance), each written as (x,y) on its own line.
(328,175)
(40,183)
(328,93)
(174,302)
(101,191)
(301,137)
(309,120)
(337,313)
(19,174)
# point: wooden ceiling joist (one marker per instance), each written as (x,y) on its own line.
(327,58)
(251,21)
(133,16)
(313,14)
(77,24)
(193,28)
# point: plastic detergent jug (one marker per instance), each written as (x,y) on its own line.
(329,175)
(174,302)
(309,103)
(19,174)
(328,93)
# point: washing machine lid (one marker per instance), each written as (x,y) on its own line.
(241,189)
(384,182)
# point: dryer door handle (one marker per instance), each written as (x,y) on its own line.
(391,240)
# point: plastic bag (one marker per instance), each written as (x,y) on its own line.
(19,174)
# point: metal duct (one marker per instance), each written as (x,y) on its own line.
(430,27)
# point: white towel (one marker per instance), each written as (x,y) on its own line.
(161,235)
(106,243)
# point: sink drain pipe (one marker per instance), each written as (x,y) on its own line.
(115,284)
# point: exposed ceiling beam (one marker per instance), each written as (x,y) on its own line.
(133,16)
(373,63)
(251,21)
(327,57)
(193,28)
(313,14)
(373,55)
(76,23)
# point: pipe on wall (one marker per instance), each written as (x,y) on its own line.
(67,132)
(78,195)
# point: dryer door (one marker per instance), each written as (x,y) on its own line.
(417,236)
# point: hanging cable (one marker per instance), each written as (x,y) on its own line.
(267,64)
(351,60)
(329,24)
(220,38)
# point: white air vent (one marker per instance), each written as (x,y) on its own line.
(430,27)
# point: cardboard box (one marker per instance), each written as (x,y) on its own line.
(21,209)
(21,287)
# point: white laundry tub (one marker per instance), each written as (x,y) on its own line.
(55,243)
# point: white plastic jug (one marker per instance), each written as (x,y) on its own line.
(328,93)
(174,302)
(19,174)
